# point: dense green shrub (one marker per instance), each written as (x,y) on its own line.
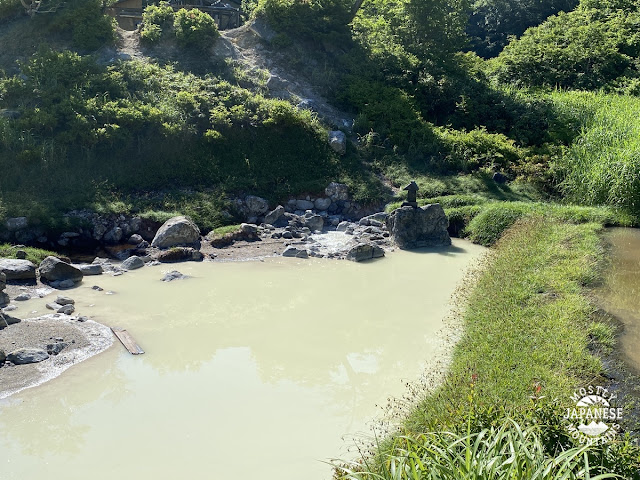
(589,48)
(194,28)
(9,8)
(156,19)
(90,28)
(307,19)
(492,22)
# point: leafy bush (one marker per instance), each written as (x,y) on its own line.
(194,28)
(492,22)
(307,19)
(589,48)
(9,8)
(156,19)
(90,28)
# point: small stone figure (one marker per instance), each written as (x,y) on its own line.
(411,190)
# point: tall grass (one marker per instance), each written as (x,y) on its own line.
(506,452)
(602,166)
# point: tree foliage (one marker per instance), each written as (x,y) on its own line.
(595,46)
(492,22)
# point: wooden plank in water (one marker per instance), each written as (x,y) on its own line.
(127,340)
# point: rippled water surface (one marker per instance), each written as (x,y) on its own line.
(252,370)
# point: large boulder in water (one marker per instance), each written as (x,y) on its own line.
(53,269)
(176,231)
(419,227)
(17,269)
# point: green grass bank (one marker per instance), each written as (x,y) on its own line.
(530,338)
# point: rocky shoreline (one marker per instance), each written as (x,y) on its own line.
(37,349)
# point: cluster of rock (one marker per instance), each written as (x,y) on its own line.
(334,206)
(25,356)
(91,229)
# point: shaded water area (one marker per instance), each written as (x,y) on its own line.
(620,295)
(253,369)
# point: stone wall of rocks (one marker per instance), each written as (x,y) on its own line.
(90,229)
(335,206)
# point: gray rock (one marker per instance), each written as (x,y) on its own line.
(66,309)
(21,254)
(419,227)
(3,281)
(249,229)
(16,223)
(180,254)
(173,275)
(56,348)
(66,283)
(53,269)
(135,239)
(304,204)
(113,236)
(314,222)
(132,263)
(322,204)
(256,206)
(17,269)
(24,356)
(4,299)
(176,231)
(7,319)
(23,297)
(54,306)
(89,270)
(3,357)
(70,235)
(97,288)
(337,191)
(295,252)
(364,251)
(338,141)
(99,229)
(274,215)
(62,300)
(343,226)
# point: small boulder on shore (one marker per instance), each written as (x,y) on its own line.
(17,269)
(53,269)
(295,252)
(92,269)
(176,231)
